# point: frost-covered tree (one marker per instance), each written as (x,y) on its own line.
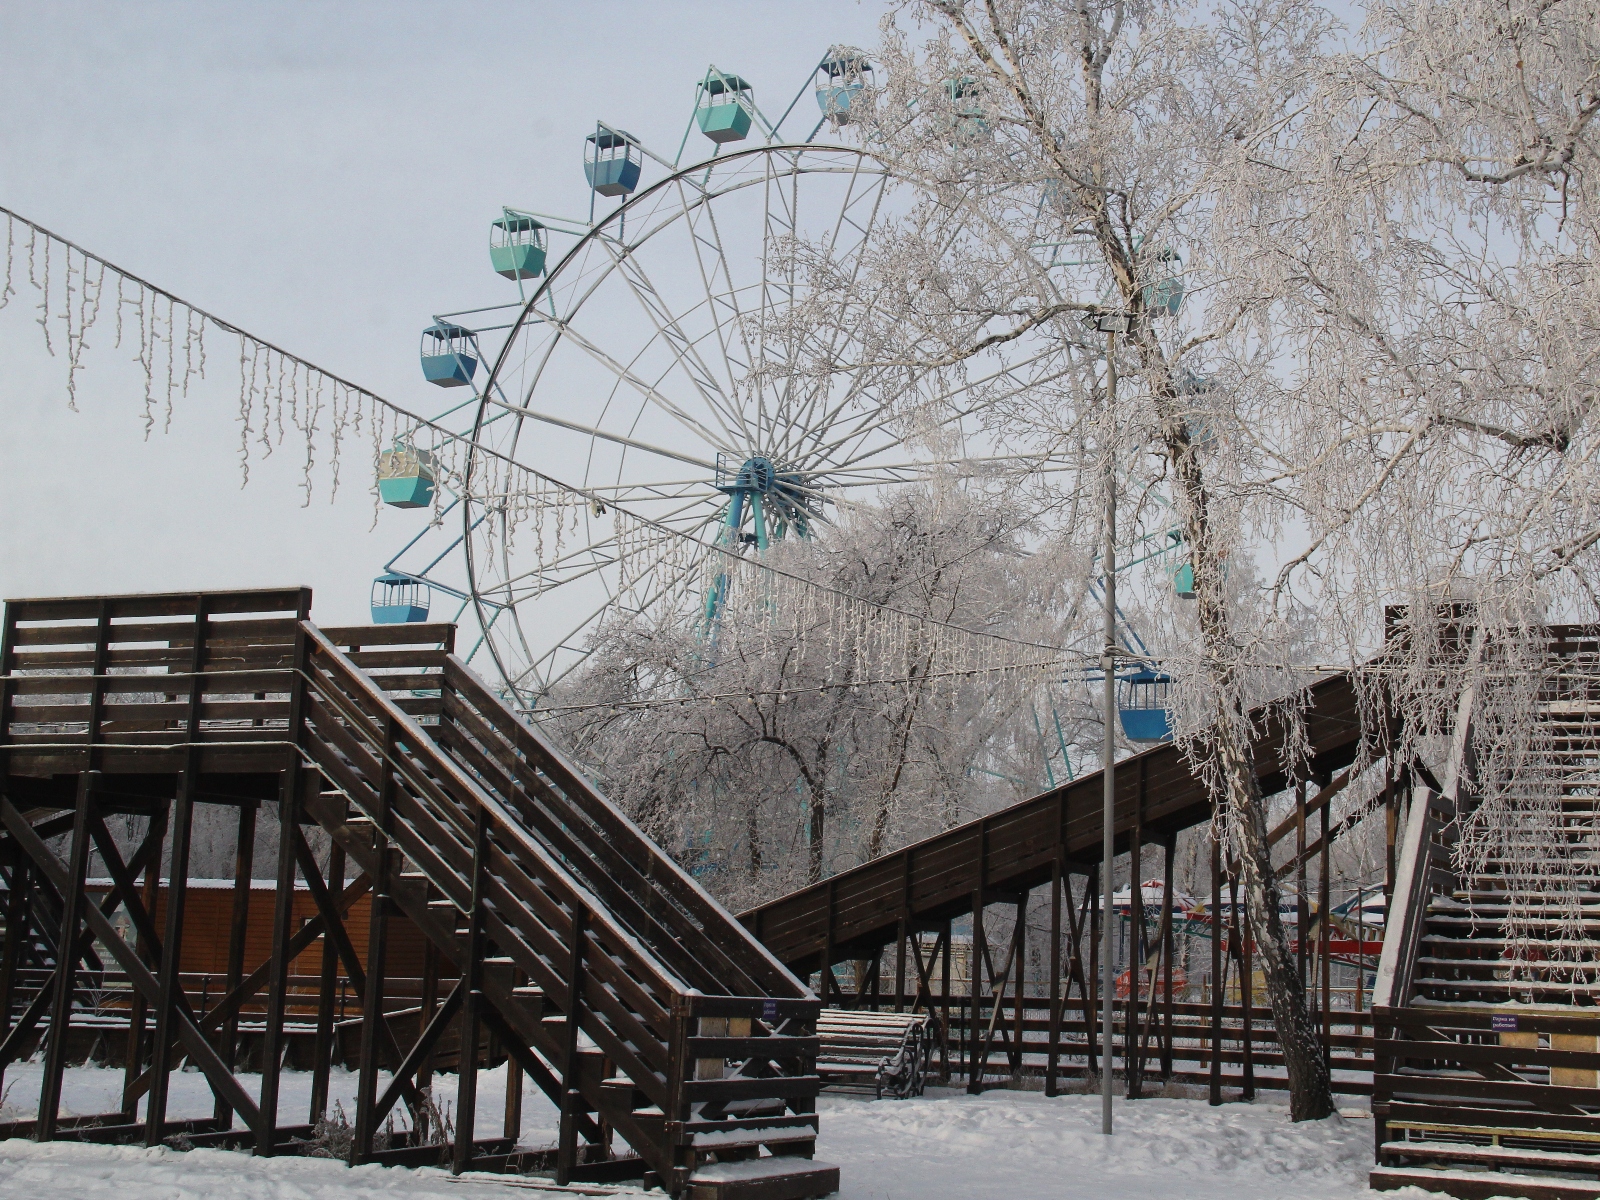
(1341,281)
(797,733)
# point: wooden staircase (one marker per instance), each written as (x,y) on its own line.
(635,1001)
(1488,1077)
(641,1007)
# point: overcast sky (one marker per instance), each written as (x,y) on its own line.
(322,175)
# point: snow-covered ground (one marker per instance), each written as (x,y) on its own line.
(1004,1144)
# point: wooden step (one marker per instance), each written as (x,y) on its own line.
(773,1178)
(1495,1156)
(1481,1185)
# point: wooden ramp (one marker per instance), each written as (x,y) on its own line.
(600,968)
(858,912)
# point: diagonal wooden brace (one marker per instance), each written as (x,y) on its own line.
(201,1052)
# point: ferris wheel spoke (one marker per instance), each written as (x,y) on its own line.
(668,328)
(665,587)
(693,217)
(838,330)
(605,435)
(652,393)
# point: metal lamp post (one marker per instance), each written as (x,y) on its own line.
(1110,324)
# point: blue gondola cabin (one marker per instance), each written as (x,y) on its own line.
(611,162)
(723,107)
(399,600)
(517,246)
(406,476)
(1143,706)
(841,76)
(449,355)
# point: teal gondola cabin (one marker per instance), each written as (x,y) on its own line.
(406,476)
(517,246)
(841,77)
(723,107)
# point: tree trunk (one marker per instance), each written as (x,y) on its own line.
(1310,1096)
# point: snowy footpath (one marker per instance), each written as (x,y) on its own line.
(1003,1144)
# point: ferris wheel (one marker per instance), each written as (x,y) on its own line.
(690,354)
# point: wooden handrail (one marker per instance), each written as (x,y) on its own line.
(466,792)
(608,831)
(1414,873)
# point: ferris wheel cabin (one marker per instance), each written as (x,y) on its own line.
(1183,582)
(611,162)
(449,355)
(517,246)
(723,106)
(966,119)
(1165,296)
(406,476)
(399,600)
(840,78)
(1143,700)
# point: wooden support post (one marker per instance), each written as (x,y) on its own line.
(327,998)
(377,957)
(18,934)
(244,853)
(513,1115)
(66,981)
(1217,981)
(272,1043)
(825,979)
(1302,908)
(171,979)
(1091,1005)
(1169,846)
(1020,954)
(901,933)
(1391,825)
(1132,1047)
(1246,964)
(944,993)
(472,1009)
(1053,1059)
(1324,901)
(571,1097)
(155,836)
(975,1070)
